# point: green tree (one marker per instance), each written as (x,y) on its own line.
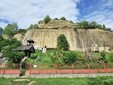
(47,19)
(104,27)
(22,31)
(62,18)
(62,43)
(10,29)
(83,25)
(11,55)
(7,47)
(1,30)
(99,26)
(31,26)
(93,24)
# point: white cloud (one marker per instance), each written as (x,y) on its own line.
(26,12)
(102,14)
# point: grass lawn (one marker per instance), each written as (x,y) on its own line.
(60,81)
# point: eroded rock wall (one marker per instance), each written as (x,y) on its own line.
(48,37)
(79,39)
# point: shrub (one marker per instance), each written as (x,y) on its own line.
(70,57)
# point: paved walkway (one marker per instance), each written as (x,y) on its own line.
(60,75)
(69,75)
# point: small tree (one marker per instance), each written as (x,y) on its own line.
(62,18)
(62,43)
(47,19)
(10,29)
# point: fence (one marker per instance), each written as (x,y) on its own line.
(15,70)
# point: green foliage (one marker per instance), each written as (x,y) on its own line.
(1,38)
(92,25)
(29,60)
(62,43)
(1,30)
(83,25)
(58,57)
(103,55)
(55,19)
(7,47)
(11,43)
(22,72)
(70,58)
(12,56)
(47,19)
(99,81)
(10,29)
(33,26)
(109,57)
(22,31)
(62,18)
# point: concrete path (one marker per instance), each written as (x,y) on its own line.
(69,75)
(60,75)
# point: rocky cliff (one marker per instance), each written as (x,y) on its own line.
(79,39)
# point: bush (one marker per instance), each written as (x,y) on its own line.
(70,57)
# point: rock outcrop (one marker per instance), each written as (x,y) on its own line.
(19,37)
(78,39)
(55,24)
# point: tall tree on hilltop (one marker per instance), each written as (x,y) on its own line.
(93,25)
(31,26)
(47,19)
(62,18)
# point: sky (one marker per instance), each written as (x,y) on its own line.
(26,12)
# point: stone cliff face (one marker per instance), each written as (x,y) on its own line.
(95,39)
(79,39)
(19,37)
(48,37)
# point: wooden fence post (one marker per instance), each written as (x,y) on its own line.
(105,67)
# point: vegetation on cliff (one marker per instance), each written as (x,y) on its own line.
(91,25)
(62,43)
